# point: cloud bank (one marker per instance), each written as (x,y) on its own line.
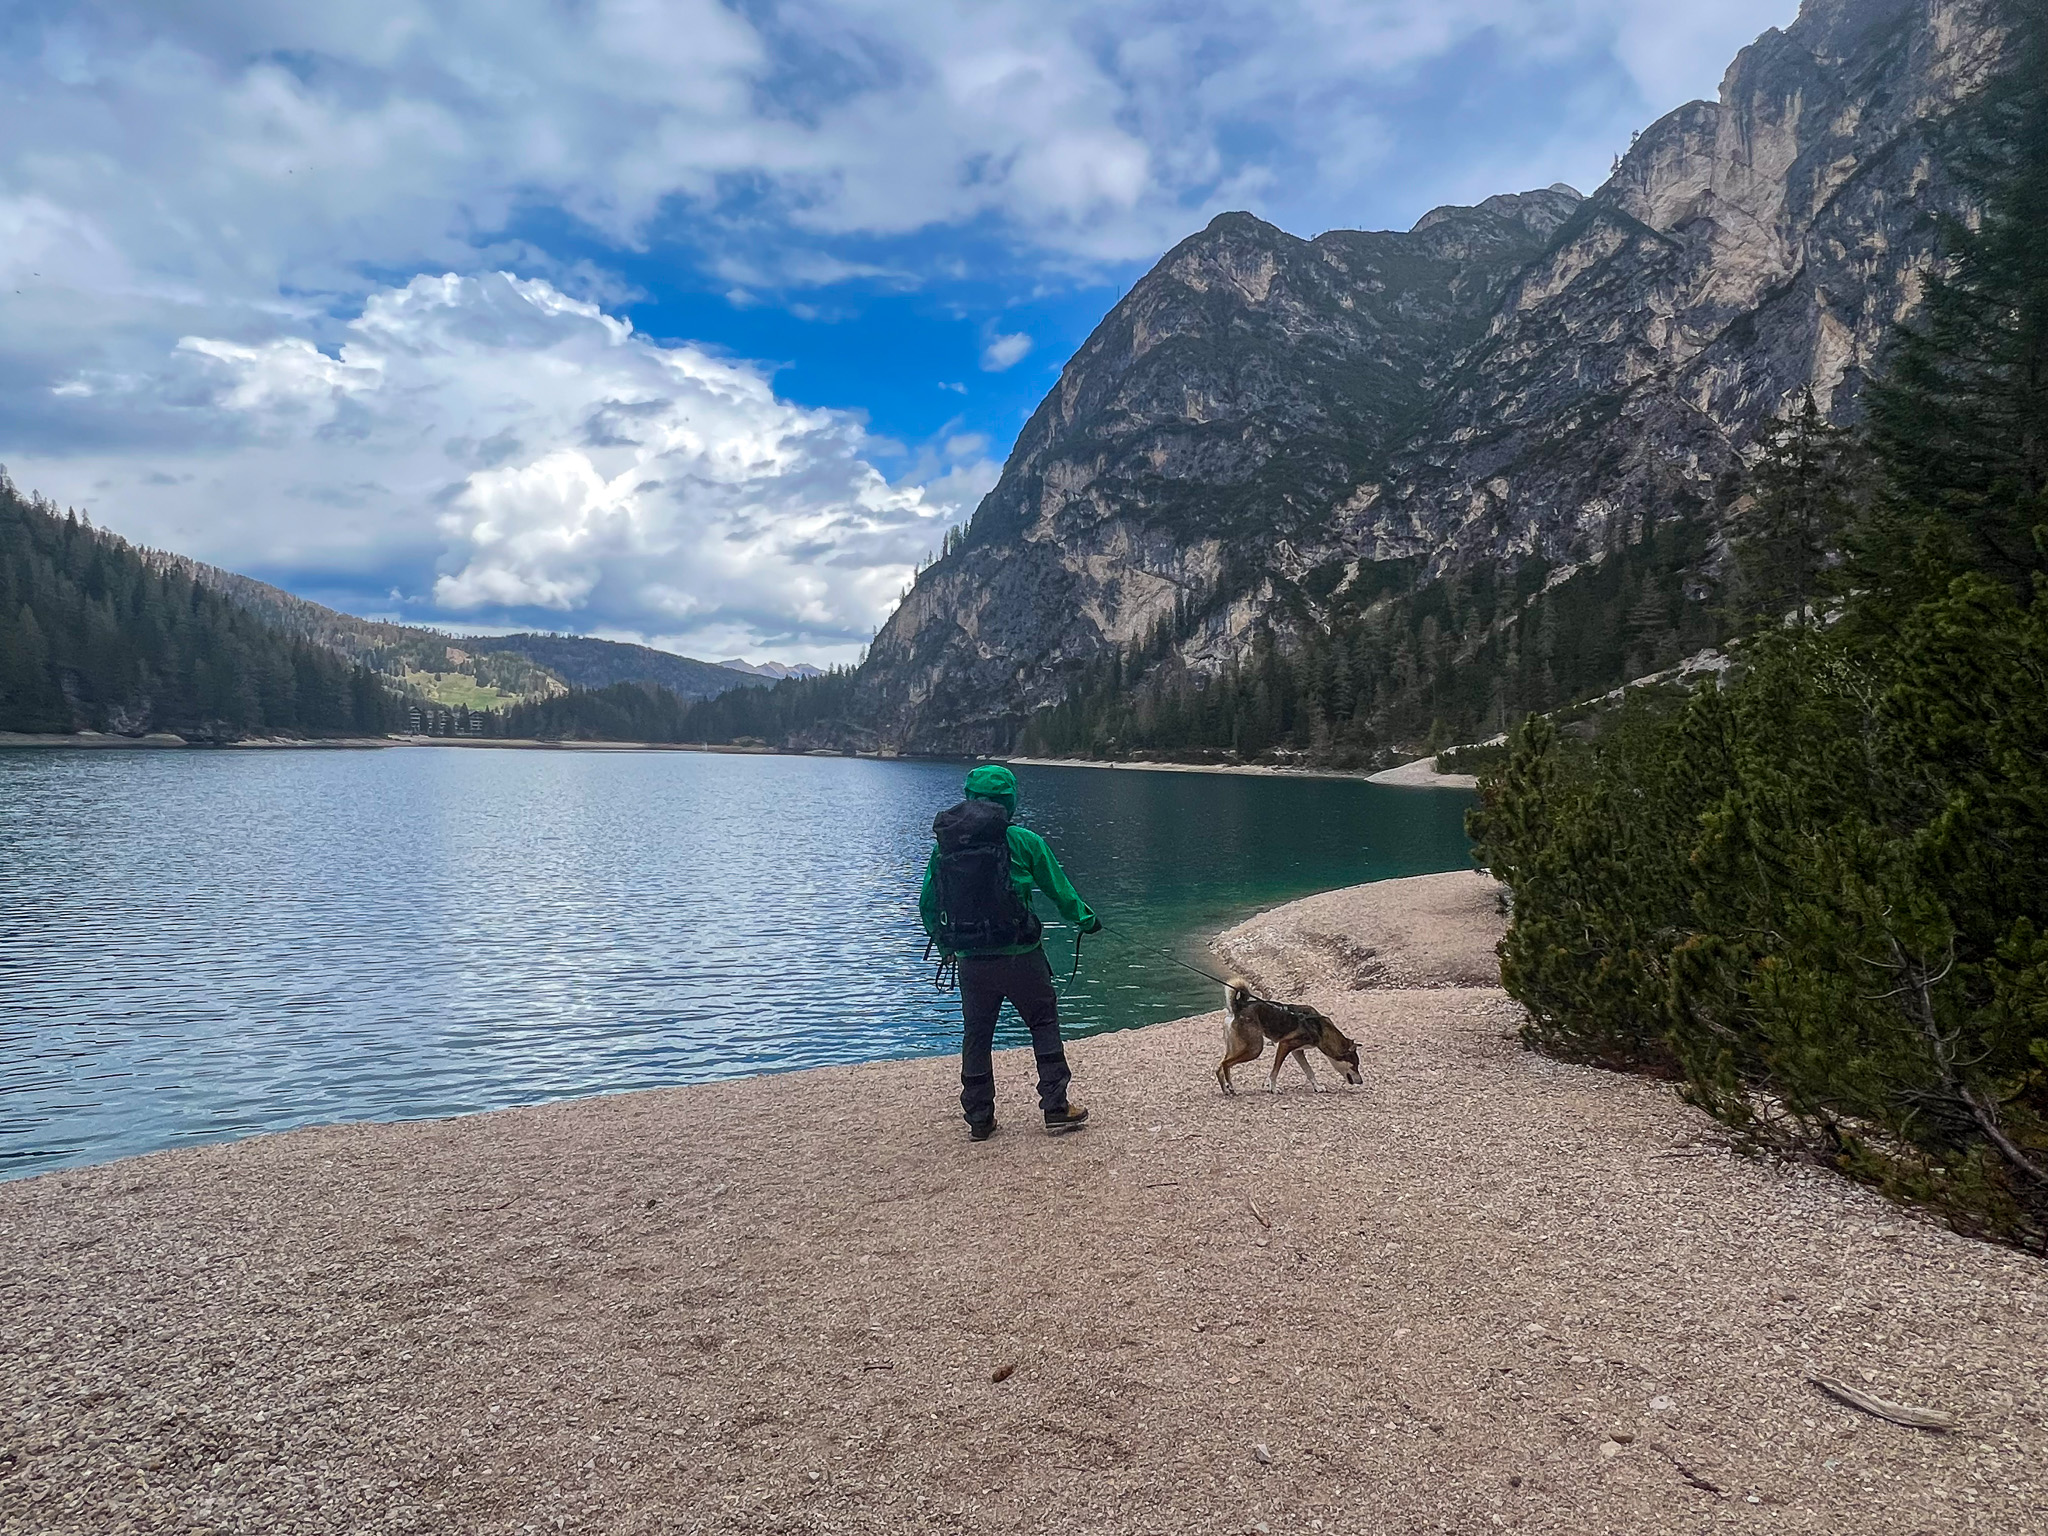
(528,457)
(224,230)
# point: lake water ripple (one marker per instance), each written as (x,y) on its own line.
(201,945)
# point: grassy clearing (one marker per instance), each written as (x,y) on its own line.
(458,690)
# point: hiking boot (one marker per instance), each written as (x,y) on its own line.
(1060,1121)
(981,1130)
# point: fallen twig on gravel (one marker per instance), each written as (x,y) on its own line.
(1258,1213)
(1706,1148)
(1896,1413)
(1686,1472)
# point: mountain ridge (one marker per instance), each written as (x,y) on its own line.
(529,664)
(774,670)
(1264,427)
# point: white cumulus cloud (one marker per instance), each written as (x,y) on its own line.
(1005,352)
(538,457)
(222,150)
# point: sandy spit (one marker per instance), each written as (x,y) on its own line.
(1419,774)
(1422,774)
(88,739)
(1484,1292)
(1246,770)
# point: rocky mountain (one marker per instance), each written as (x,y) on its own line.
(1267,428)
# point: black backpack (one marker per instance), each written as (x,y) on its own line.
(978,907)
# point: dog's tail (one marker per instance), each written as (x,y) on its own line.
(1237,994)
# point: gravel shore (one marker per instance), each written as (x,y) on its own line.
(1420,773)
(1485,1291)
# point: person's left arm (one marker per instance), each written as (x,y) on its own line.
(928,898)
(1047,875)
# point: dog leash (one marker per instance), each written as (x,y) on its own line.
(947,975)
(1165,953)
(1173,959)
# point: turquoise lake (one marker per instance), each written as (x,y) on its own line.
(201,945)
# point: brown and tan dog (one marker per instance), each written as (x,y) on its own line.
(1292,1027)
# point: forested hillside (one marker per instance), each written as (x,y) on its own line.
(797,712)
(474,671)
(1819,893)
(97,635)
(1456,659)
(413,656)
(582,662)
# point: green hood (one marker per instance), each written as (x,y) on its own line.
(992,781)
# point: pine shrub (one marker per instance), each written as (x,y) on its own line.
(1819,894)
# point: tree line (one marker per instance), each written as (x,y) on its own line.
(1817,895)
(96,634)
(1372,662)
(816,711)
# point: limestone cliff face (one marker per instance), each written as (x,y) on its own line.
(1541,375)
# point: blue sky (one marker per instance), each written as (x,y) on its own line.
(688,322)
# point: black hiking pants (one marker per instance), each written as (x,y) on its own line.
(1026,980)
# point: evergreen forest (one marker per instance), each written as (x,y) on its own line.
(796,712)
(96,634)
(1386,665)
(1816,894)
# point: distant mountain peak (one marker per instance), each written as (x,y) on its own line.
(1544,209)
(774,669)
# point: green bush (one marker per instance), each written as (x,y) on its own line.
(1819,895)
(1473,759)
(1819,892)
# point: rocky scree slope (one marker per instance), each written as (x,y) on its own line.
(1265,424)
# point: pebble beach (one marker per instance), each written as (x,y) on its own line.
(1485,1291)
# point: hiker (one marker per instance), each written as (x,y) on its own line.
(976,905)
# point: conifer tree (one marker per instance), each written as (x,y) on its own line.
(1961,417)
(95,634)
(1822,894)
(1803,497)
(29,697)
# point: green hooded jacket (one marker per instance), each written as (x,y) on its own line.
(1031,863)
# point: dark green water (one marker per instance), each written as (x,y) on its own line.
(201,945)
(1171,858)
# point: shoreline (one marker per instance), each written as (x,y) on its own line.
(1515,1292)
(1418,773)
(167,741)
